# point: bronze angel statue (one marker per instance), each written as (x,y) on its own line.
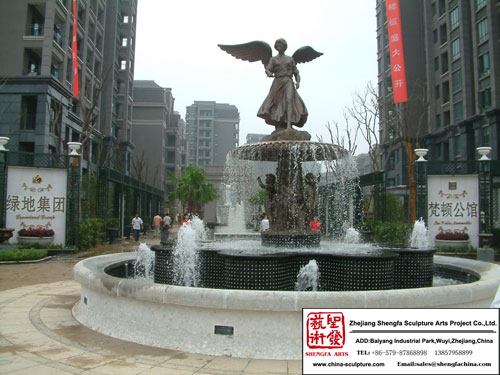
(283,107)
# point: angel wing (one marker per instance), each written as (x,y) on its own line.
(252,51)
(305,54)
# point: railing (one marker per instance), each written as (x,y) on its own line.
(34,29)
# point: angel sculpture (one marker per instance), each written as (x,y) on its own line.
(283,107)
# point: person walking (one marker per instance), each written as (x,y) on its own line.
(167,220)
(156,225)
(137,225)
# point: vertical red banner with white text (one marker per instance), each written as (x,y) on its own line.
(398,72)
(74,49)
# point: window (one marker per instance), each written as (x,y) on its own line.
(28,112)
(123,64)
(458,114)
(446,91)
(434,10)
(444,63)
(485,99)
(484,64)
(480,4)
(434,36)
(438,121)
(446,118)
(437,92)
(482,30)
(458,146)
(485,136)
(454,21)
(124,42)
(442,7)
(391,164)
(125,19)
(457,80)
(436,64)
(455,49)
(443,33)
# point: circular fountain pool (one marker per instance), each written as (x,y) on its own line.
(246,323)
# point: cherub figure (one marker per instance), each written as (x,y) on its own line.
(283,107)
(269,203)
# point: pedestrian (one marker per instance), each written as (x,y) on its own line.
(186,220)
(316,224)
(167,220)
(137,225)
(264,224)
(156,225)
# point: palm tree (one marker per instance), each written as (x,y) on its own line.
(193,189)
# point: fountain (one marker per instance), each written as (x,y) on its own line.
(245,298)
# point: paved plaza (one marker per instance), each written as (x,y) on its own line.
(38,335)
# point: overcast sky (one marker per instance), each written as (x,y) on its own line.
(176,46)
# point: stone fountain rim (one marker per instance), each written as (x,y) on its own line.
(90,273)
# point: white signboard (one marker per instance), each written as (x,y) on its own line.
(453,205)
(36,198)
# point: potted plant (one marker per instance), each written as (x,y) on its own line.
(452,239)
(40,236)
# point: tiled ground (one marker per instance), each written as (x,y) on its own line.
(38,335)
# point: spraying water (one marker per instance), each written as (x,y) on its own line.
(351,236)
(186,251)
(308,277)
(144,263)
(419,237)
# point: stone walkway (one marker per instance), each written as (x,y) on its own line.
(38,335)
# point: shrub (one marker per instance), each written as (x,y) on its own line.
(113,222)
(452,236)
(19,255)
(91,232)
(36,232)
(392,233)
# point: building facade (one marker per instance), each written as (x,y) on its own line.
(254,137)
(212,130)
(37,110)
(452,49)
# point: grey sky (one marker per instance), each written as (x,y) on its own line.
(177,41)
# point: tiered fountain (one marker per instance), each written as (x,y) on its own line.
(247,301)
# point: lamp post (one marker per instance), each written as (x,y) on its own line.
(421,182)
(485,235)
(3,180)
(73,212)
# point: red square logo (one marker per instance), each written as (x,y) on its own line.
(325,330)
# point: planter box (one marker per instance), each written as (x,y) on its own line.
(456,244)
(43,241)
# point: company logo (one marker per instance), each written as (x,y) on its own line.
(325,330)
(37,179)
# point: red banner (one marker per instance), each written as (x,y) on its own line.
(74,50)
(398,72)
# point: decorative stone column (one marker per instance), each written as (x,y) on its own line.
(3,179)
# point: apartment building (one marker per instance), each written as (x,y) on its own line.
(452,48)
(212,130)
(37,110)
(158,135)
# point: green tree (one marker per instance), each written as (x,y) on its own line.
(193,189)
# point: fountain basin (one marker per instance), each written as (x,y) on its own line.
(264,324)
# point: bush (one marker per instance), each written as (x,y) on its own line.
(113,222)
(91,232)
(392,233)
(19,255)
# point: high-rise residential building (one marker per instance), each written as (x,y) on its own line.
(452,49)
(212,130)
(37,110)
(254,137)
